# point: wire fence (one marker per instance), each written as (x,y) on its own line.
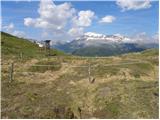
(12,68)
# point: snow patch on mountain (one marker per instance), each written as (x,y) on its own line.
(95,37)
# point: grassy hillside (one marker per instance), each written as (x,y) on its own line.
(124,86)
(14,46)
(108,50)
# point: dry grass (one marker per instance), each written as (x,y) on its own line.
(122,91)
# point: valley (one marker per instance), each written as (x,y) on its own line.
(94,44)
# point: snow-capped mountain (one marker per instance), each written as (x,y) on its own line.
(90,36)
(103,45)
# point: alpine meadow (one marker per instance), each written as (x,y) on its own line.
(80,59)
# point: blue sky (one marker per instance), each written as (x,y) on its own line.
(127,21)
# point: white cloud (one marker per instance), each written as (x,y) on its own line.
(143,37)
(11,29)
(156,37)
(84,18)
(107,19)
(18,33)
(76,32)
(29,22)
(52,18)
(60,20)
(133,4)
(81,21)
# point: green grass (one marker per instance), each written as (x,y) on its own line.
(65,89)
(122,98)
(151,52)
(53,66)
(14,46)
(129,99)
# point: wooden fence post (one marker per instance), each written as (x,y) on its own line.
(11,70)
(80,113)
(89,72)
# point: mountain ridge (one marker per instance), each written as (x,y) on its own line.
(92,44)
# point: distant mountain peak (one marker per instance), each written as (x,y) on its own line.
(96,37)
(95,44)
(92,34)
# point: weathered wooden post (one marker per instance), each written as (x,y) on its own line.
(11,70)
(80,113)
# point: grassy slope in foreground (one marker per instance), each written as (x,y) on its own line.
(121,91)
(14,46)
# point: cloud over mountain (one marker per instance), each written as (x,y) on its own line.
(143,37)
(76,31)
(55,19)
(81,21)
(84,18)
(107,19)
(133,4)
(11,29)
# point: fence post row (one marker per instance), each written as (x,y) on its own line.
(11,70)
